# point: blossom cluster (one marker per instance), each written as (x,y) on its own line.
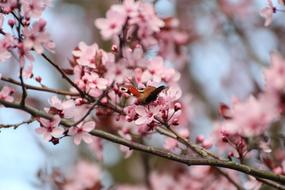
(253,117)
(154,98)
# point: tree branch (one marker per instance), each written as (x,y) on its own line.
(24,92)
(159,152)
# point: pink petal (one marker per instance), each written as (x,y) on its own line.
(57,131)
(87,138)
(142,120)
(88,126)
(141,110)
(77,139)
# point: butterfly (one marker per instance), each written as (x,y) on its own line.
(144,95)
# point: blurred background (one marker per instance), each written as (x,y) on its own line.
(228,50)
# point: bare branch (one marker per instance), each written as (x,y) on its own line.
(44,89)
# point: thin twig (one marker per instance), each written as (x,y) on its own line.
(43,88)
(24,92)
(15,126)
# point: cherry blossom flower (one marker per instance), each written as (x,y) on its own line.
(157,72)
(113,24)
(37,37)
(50,128)
(62,108)
(28,71)
(85,175)
(259,114)
(146,115)
(6,94)
(8,6)
(81,132)
(34,8)
(274,76)
(5,46)
(267,13)
(93,84)
(85,54)
(131,8)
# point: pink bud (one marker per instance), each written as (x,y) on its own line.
(277,170)
(38,79)
(128,118)
(225,111)
(42,24)
(175,121)
(207,144)
(114,48)
(7,10)
(200,139)
(11,22)
(231,154)
(104,100)
(177,106)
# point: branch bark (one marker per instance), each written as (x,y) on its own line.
(157,151)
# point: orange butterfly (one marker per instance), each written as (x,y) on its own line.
(145,95)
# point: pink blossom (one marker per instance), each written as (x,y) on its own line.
(146,115)
(97,147)
(81,132)
(5,46)
(28,71)
(84,175)
(93,84)
(34,8)
(157,72)
(251,117)
(85,54)
(113,23)
(131,8)
(37,37)
(49,128)
(8,6)
(172,94)
(267,13)
(274,76)
(6,94)
(134,57)
(126,151)
(63,108)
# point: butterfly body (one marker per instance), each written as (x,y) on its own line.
(144,96)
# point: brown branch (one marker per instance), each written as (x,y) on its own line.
(15,126)
(159,152)
(24,92)
(44,89)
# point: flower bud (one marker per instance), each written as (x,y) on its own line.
(38,79)
(177,106)
(200,139)
(175,121)
(11,22)
(207,144)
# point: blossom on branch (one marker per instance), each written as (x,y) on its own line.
(50,128)
(81,132)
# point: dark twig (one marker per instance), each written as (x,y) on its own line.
(43,88)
